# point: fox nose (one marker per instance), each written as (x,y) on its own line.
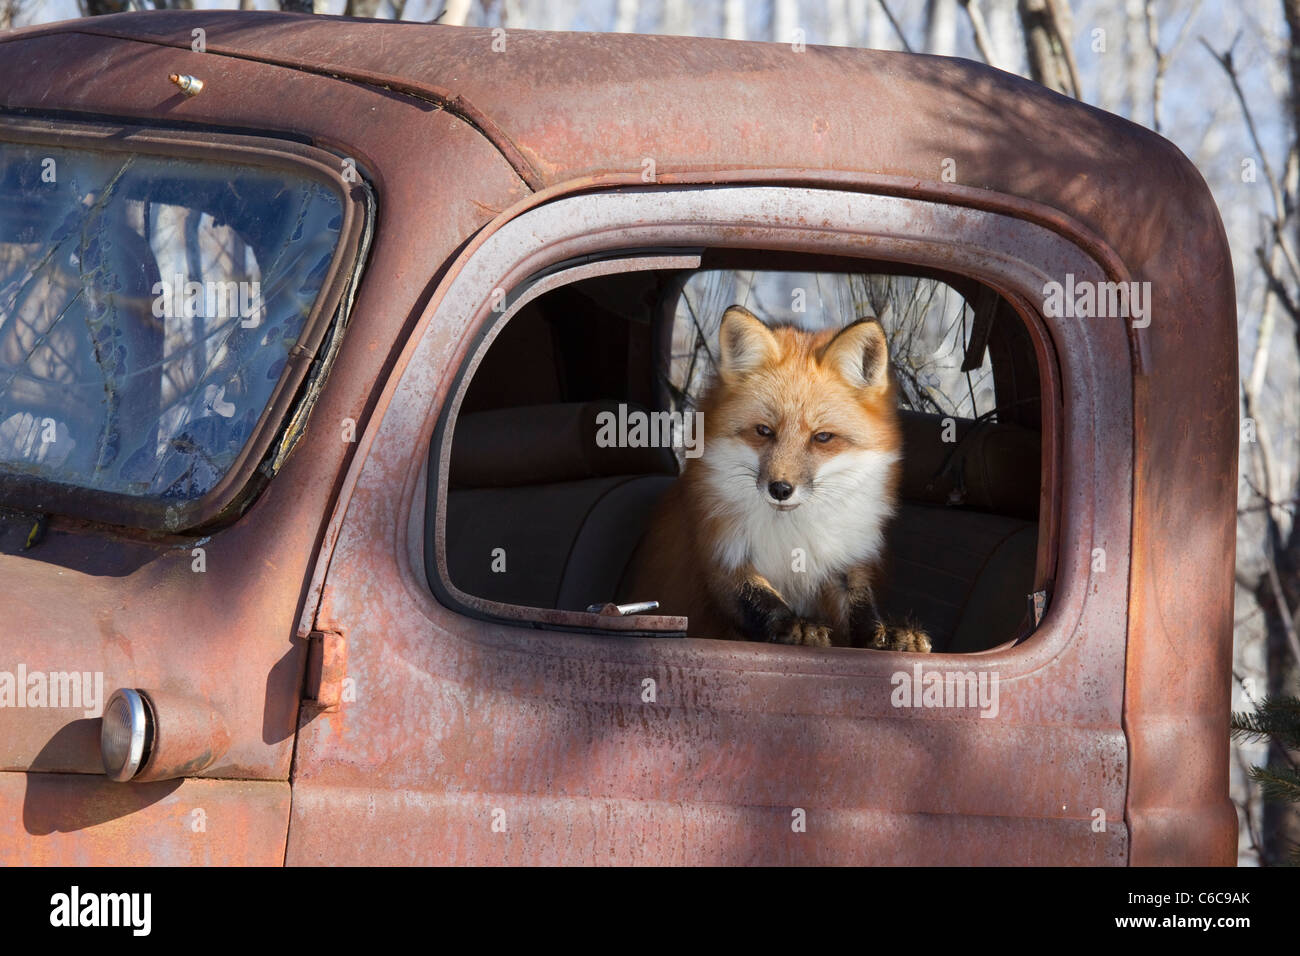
(780,490)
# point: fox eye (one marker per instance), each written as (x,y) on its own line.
(822,437)
(764,431)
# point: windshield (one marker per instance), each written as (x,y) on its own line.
(148,306)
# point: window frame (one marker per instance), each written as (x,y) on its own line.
(1011,254)
(306,365)
(439,454)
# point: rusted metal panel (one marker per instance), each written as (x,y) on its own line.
(131,607)
(416,828)
(54,819)
(559,723)
(1186,435)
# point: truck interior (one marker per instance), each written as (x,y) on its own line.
(538,515)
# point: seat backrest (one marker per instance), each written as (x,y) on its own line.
(538,514)
(543,444)
(964,543)
(988,466)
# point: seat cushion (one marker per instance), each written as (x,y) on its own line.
(602,550)
(566,544)
(965,576)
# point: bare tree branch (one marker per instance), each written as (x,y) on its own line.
(1224,60)
(455,13)
(902,38)
(1164,59)
(980,27)
(1288,619)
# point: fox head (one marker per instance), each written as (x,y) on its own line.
(802,417)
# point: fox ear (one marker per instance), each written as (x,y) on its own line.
(744,343)
(860,353)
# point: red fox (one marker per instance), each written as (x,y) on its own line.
(776,532)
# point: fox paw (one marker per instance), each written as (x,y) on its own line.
(887,638)
(798,631)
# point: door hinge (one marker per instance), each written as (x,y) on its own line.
(327,664)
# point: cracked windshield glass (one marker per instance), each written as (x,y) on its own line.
(148,306)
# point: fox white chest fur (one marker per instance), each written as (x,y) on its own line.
(839,523)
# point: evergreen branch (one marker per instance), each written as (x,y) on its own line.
(1276,717)
(1277,784)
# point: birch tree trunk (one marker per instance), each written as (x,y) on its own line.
(1004,31)
(1138,65)
(839,31)
(1047,42)
(785,20)
(880,33)
(733,19)
(677,18)
(455,13)
(941,27)
(624,17)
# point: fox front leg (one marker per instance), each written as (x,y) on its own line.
(764,615)
(867,629)
(870,631)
